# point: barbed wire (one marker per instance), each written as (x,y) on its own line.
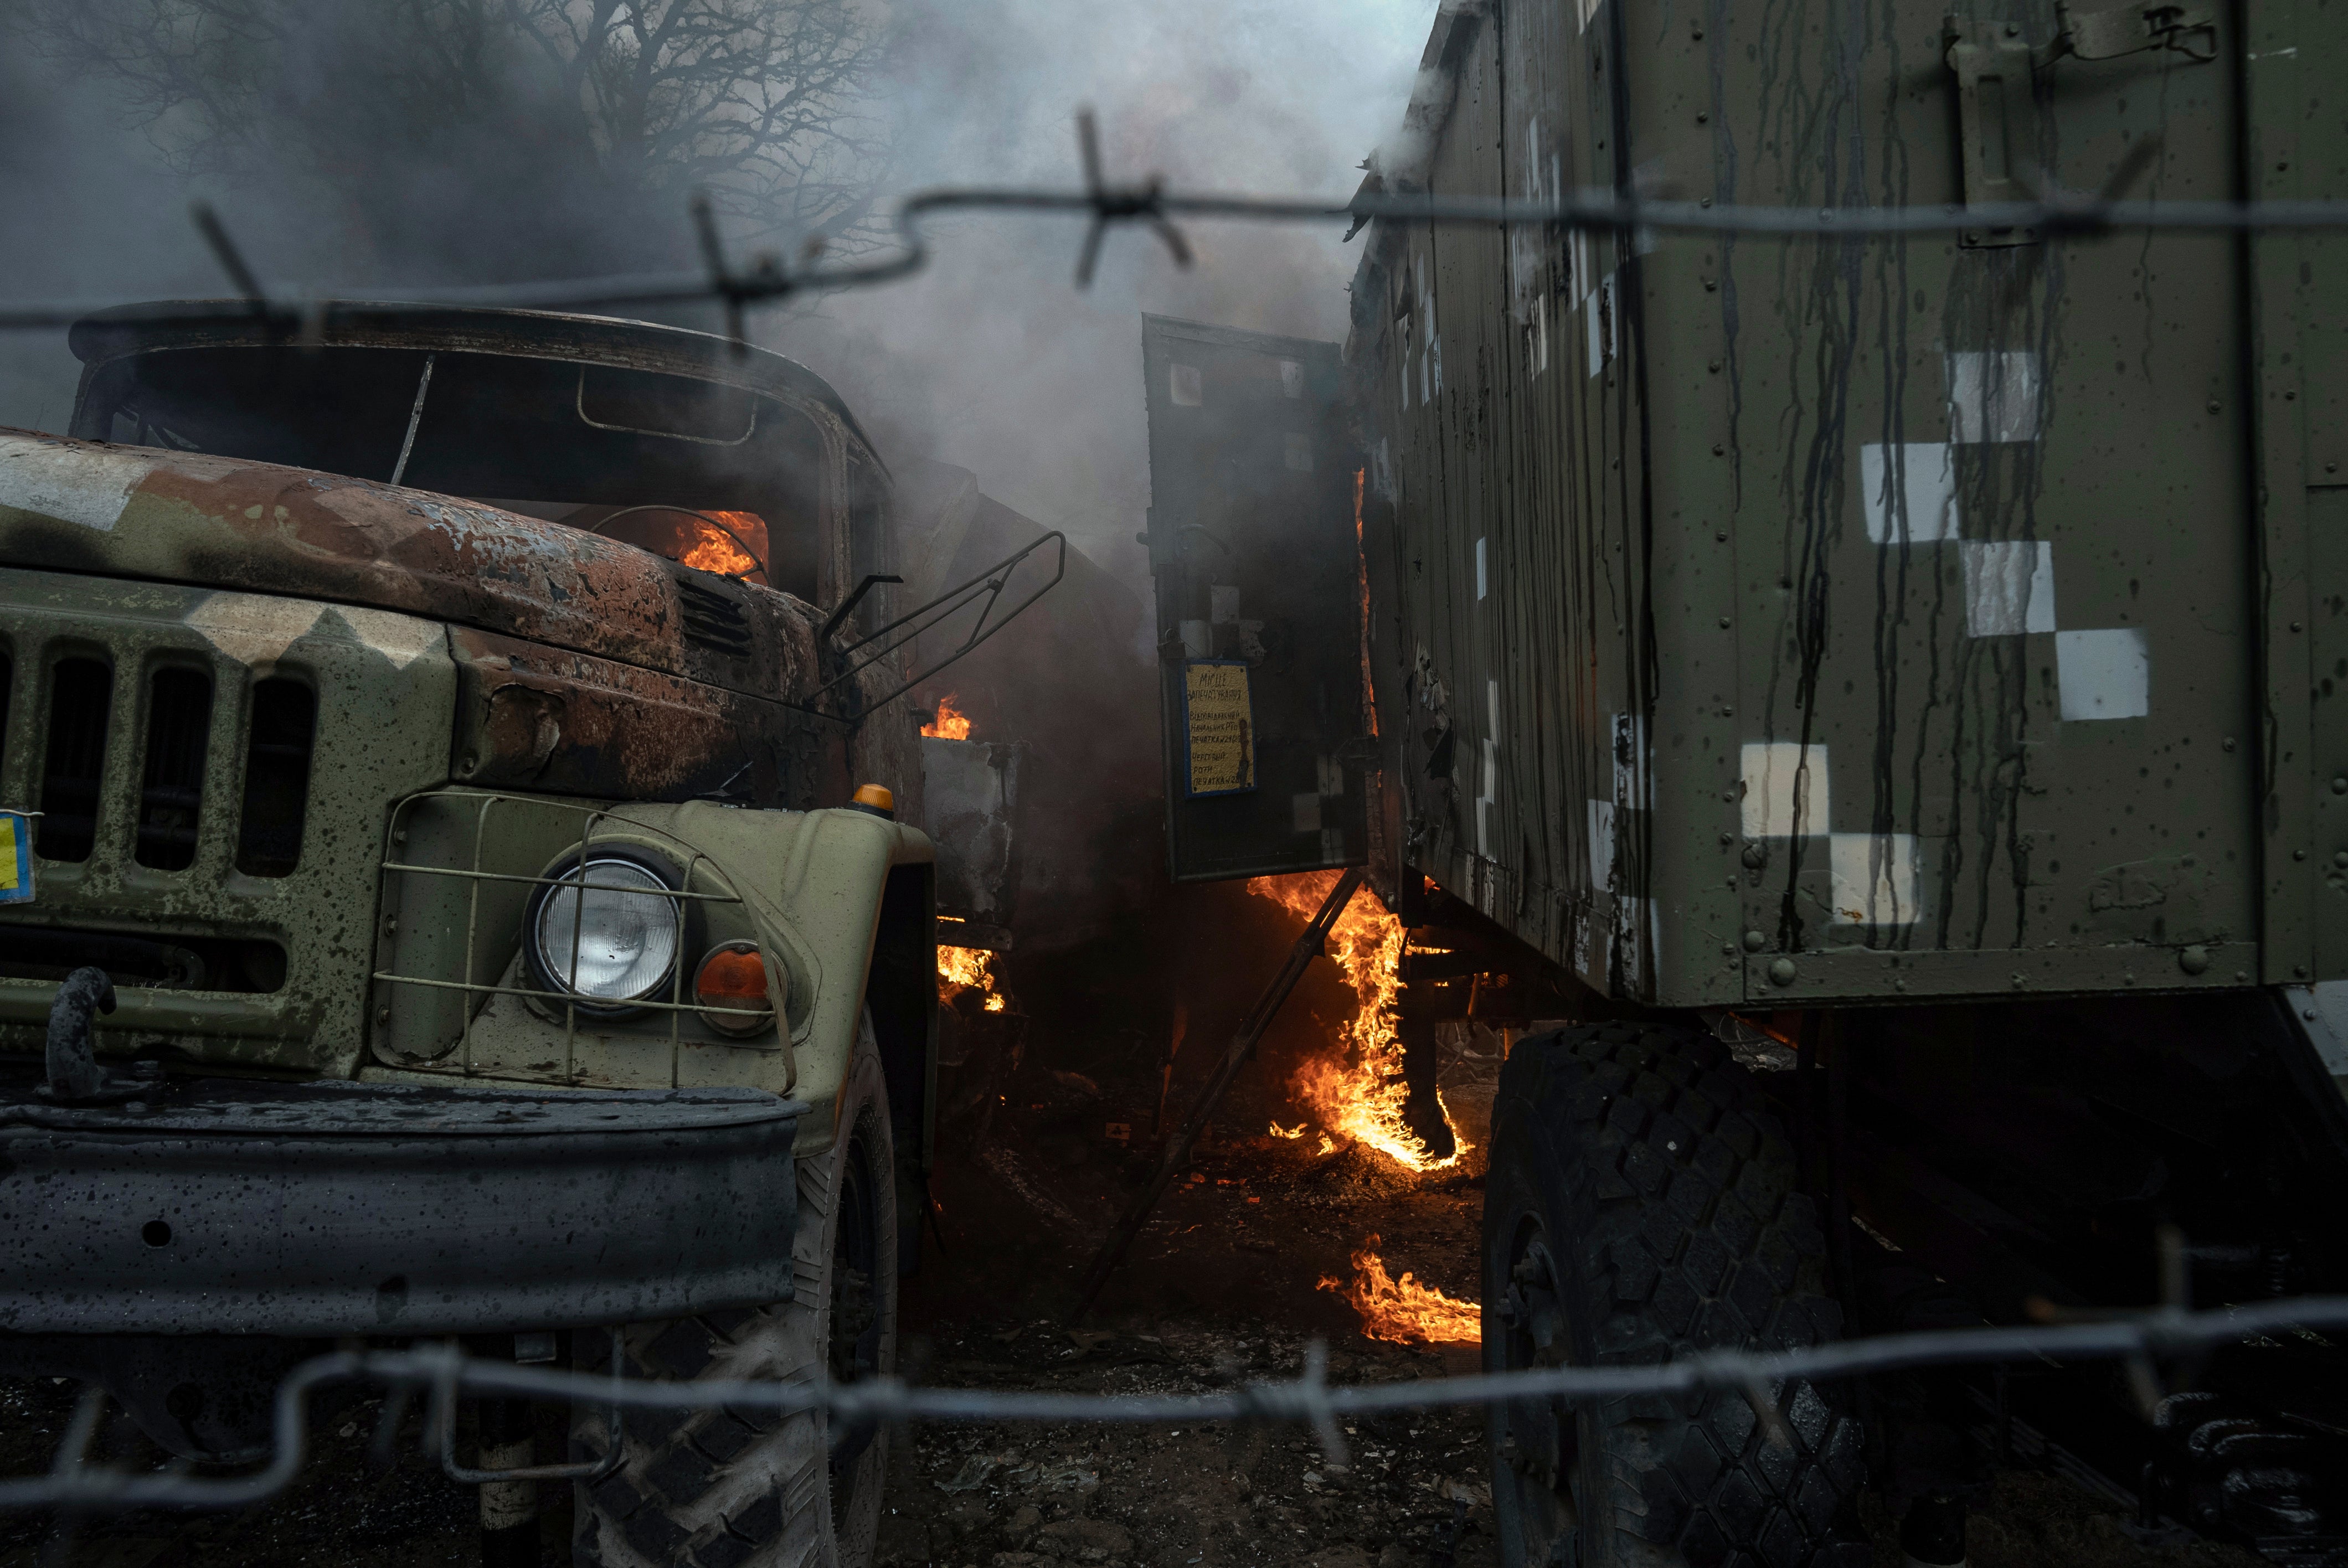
(2056,215)
(2140,1340)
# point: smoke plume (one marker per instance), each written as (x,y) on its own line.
(400,149)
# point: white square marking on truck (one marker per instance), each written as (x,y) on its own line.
(1486,802)
(2009,588)
(1598,310)
(1911,491)
(1784,790)
(1634,784)
(2104,674)
(1872,878)
(1307,808)
(1992,396)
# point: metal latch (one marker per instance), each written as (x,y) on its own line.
(2189,30)
(1997,107)
(1997,118)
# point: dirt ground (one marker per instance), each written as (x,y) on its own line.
(1222,1287)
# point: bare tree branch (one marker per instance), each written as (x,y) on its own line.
(778,109)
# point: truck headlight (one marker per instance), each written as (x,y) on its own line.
(605,932)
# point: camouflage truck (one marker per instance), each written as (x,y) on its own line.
(454,892)
(1910,662)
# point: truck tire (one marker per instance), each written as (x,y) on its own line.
(739,1489)
(1641,1207)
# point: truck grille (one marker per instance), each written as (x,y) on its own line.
(214,795)
(172,784)
(276,777)
(171,766)
(81,693)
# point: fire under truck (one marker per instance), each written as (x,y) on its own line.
(1885,683)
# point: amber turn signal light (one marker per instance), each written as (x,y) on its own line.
(733,977)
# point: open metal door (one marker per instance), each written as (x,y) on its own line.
(1256,547)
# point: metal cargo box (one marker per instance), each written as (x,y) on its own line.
(1774,619)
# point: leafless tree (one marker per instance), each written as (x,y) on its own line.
(516,124)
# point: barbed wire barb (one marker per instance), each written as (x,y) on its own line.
(1144,203)
(232,261)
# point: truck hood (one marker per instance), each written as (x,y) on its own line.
(224,522)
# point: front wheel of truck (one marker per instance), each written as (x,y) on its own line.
(732,1487)
(1640,1208)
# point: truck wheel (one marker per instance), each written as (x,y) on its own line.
(741,1489)
(1640,1207)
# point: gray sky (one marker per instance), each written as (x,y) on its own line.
(992,360)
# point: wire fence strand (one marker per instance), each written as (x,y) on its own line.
(445,1372)
(2055,215)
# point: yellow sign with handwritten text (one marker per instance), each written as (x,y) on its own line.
(1219,722)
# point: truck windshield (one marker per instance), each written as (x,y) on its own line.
(712,476)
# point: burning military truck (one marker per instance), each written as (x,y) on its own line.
(457,889)
(1907,660)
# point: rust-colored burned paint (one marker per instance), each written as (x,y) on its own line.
(229,523)
(535,718)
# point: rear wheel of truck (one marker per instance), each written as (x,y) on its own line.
(1640,1207)
(734,1488)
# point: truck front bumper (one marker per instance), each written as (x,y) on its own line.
(210,1206)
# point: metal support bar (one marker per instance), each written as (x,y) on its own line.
(1244,1044)
(984,590)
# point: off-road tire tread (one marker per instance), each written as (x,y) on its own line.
(726,1487)
(1674,1250)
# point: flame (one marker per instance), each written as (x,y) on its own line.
(1403,1311)
(713,549)
(1357,1090)
(964,969)
(1280,1131)
(950,725)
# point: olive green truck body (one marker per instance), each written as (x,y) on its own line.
(1924,652)
(1814,621)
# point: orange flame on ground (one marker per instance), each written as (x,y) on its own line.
(1403,1311)
(964,969)
(950,725)
(714,550)
(1280,1131)
(1357,1090)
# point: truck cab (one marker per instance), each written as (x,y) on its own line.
(455,824)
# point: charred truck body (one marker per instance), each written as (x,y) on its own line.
(1919,652)
(438,785)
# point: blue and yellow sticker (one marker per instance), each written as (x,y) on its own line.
(16,857)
